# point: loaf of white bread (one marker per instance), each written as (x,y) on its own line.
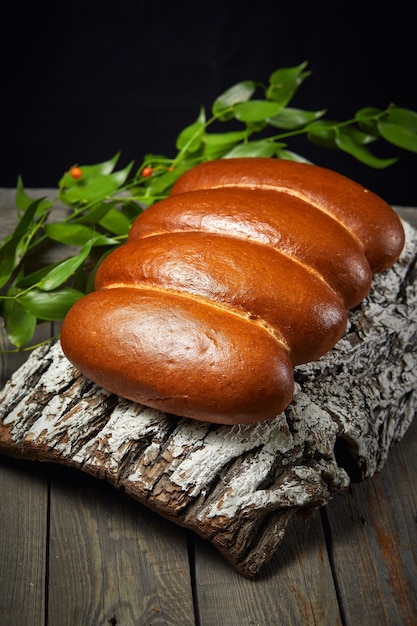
(246,270)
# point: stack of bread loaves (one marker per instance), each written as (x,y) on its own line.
(246,270)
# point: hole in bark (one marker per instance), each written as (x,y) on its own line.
(345,458)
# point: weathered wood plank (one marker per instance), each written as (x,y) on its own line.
(24,514)
(374,545)
(23,544)
(111,559)
(296,586)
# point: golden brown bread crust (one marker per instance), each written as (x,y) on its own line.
(178,354)
(250,280)
(282,221)
(371,220)
(220,291)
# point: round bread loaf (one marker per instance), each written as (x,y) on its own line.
(247,269)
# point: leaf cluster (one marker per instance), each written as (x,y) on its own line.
(248,120)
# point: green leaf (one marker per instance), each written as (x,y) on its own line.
(93,185)
(8,254)
(89,278)
(93,214)
(155,161)
(30,280)
(159,185)
(70,234)
(51,306)
(224,140)
(223,106)
(13,246)
(103,168)
(290,119)
(367,119)
(399,127)
(288,155)
(322,133)
(74,234)
(97,169)
(23,201)
(190,138)
(256,110)
(64,270)
(20,324)
(255,127)
(348,142)
(131,210)
(28,220)
(216,144)
(283,83)
(402,117)
(261,148)
(116,222)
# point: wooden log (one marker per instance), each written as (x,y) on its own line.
(238,487)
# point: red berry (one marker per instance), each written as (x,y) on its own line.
(76,172)
(147,171)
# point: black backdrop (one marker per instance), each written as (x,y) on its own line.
(82,80)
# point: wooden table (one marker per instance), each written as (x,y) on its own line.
(76,552)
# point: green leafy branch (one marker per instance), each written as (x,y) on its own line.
(102,202)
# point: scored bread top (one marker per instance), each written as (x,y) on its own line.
(254,280)
(284,222)
(247,269)
(369,218)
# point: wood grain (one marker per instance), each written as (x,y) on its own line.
(23,544)
(296,587)
(123,548)
(374,542)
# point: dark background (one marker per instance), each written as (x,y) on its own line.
(81,81)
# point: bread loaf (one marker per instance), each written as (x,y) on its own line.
(247,269)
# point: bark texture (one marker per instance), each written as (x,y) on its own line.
(238,487)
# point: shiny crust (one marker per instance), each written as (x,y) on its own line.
(276,219)
(253,281)
(177,354)
(246,270)
(369,218)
